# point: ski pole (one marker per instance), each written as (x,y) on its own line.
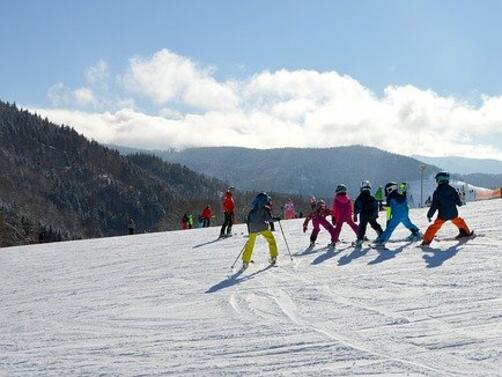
(285,240)
(238,256)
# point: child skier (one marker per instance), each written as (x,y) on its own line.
(399,214)
(342,211)
(258,221)
(186,221)
(445,200)
(366,206)
(206,215)
(318,217)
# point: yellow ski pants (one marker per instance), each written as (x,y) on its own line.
(248,249)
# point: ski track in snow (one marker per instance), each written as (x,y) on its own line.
(162,304)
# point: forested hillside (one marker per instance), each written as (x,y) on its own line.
(58,185)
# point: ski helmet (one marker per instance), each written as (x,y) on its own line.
(341,188)
(262,200)
(390,187)
(231,188)
(365,186)
(403,187)
(442,176)
(321,204)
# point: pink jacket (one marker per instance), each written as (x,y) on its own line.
(342,208)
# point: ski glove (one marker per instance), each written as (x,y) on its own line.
(304,228)
(277,218)
(333,220)
(430,219)
(355,218)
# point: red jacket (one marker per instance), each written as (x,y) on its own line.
(228,203)
(316,214)
(207,213)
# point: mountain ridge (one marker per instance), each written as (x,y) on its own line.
(58,185)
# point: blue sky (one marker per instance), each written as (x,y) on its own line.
(448,47)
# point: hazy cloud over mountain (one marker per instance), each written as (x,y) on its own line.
(167,100)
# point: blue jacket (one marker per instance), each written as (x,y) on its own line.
(398,205)
(445,200)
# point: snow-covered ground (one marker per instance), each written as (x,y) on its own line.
(161,304)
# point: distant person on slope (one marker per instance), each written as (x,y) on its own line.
(342,211)
(185,221)
(318,217)
(379,196)
(258,221)
(366,206)
(228,213)
(445,200)
(399,210)
(289,210)
(206,215)
(131,226)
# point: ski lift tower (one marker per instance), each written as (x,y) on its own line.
(422,168)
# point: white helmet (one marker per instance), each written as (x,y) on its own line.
(365,186)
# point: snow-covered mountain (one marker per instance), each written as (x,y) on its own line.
(162,304)
(304,171)
(463,165)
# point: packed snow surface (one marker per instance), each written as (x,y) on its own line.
(163,304)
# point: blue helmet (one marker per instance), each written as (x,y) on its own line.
(261,200)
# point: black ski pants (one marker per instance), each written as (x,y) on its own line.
(226,228)
(363,224)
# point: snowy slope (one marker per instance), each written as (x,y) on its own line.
(161,304)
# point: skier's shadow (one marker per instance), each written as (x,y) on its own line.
(358,252)
(438,256)
(206,243)
(235,279)
(325,256)
(307,251)
(386,254)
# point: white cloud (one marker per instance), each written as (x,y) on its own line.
(97,73)
(302,108)
(84,96)
(60,95)
(171,77)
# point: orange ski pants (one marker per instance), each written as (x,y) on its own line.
(438,223)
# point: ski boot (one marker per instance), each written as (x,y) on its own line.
(358,243)
(379,245)
(273,261)
(414,237)
(245,265)
(464,234)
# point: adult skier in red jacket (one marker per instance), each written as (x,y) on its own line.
(228,213)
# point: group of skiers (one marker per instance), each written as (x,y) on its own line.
(364,210)
(204,220)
